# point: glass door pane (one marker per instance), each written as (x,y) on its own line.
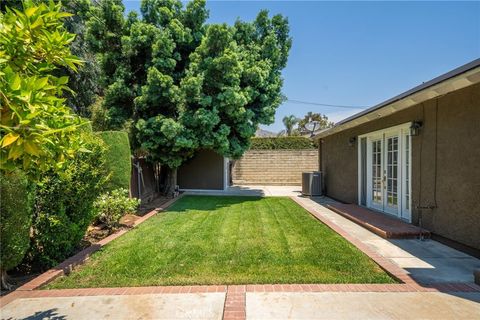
(377,192)
(391,174)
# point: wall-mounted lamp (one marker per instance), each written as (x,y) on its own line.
(351,141)
(415,128)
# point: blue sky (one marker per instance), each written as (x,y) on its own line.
(361,53)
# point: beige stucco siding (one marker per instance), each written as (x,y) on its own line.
(445,163)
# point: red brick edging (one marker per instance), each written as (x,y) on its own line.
(68,265)
(235,298)
(389,267)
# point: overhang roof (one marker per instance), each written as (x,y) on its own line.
(456,79)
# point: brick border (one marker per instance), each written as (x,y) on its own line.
(235,307)
(235,297)
(384,263)
(68,265)
(382,233)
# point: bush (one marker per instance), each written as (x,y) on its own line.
(111,206)
(15,218)
(64,205)
(281,143)
(118,159)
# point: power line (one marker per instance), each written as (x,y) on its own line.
(325,105)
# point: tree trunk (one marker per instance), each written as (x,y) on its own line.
(169,181)
(4,281)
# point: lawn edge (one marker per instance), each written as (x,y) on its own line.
(234,304)
(385,264)
(80,258)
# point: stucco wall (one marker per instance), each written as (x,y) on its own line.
(445,163)
(274,167)
(203,171)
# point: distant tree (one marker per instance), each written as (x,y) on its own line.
(289,122)
(186,85)
(85,82)
(321,122)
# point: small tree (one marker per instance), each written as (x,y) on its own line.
(37,128)
(321,122)
(289,122)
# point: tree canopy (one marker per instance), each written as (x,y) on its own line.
(320,120)
(180,84)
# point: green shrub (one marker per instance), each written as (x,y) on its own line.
(282,143)
(111,206)
(118,159)
(15,218)
(64,205)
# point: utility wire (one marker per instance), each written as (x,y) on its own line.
(324,104)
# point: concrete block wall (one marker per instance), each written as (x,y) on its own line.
(274,167)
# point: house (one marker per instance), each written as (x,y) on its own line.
(415,157)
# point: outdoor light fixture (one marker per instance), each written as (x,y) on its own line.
(415,128)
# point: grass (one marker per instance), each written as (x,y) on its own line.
(227,240)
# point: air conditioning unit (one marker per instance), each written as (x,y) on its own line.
(312,183)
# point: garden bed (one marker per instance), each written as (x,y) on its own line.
(227,240)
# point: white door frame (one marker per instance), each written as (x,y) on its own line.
(403,208)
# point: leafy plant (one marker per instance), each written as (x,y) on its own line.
(118,158)
(37,128)
(289,122)
(111,206)
(64,204)
(15,220)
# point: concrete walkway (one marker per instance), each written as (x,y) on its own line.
(257,191)
(428,262)
(145,306)
(362,305)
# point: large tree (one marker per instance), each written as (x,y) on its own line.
(184,84)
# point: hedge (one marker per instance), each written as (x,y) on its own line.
(118,159)
(64,205)
(15,218)
(281,143)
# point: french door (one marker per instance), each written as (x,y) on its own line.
(387,178)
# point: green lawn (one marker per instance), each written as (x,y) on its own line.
(227,240)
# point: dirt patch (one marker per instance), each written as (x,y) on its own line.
(154,204)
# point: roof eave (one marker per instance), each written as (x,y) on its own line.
(456,79)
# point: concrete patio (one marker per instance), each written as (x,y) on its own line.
(430,263)
(256,191)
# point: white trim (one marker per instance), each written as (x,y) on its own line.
(402,131)
(359,171)
(462,77)
(225,173)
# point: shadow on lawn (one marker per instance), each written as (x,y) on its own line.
(210,202)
